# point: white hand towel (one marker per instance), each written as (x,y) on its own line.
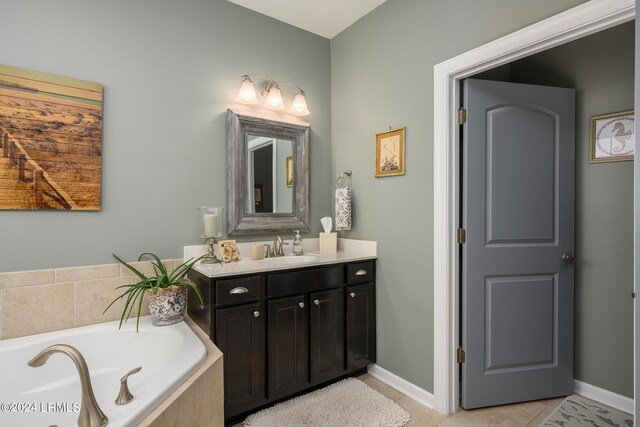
(343,209)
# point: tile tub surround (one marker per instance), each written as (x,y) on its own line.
(199,401)
(33,302)
(348,250)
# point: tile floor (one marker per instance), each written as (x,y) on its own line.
(516,415)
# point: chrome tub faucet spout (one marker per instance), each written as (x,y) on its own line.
(90,413)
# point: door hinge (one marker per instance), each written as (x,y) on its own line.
(460,355)
(462,236)
(633,294)
(462,116)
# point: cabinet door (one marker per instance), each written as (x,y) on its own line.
(327,335)
(361,326)
(240,334)
(287,346)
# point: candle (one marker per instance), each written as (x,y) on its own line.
(211,224)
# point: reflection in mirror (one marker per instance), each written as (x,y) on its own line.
(269,186)
(267,174)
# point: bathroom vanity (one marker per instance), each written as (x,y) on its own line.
(289,328)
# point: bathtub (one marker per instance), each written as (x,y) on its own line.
(51,394)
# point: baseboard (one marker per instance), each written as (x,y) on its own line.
(418,394)
(601,395)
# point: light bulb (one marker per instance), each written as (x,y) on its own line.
(299,106)
(247,93)
(274,99)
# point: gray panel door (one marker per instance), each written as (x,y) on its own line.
(518,212)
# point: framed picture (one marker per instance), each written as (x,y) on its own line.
(390,153)
(50,141)
(612,137)
(289,174)
(258,195)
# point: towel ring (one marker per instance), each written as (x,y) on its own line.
(348,176)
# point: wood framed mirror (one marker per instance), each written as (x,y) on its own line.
(267,175)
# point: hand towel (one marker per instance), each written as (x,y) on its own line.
(343,209)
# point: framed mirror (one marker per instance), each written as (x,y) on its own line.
(267,175)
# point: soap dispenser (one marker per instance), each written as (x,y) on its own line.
(297,243)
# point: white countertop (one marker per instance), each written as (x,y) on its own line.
(349,250)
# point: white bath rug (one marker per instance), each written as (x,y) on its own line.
(578,411)
(349,402)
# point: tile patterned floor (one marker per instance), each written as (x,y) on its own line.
(516,415)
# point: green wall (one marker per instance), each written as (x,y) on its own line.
(170,69)
(381,77)
(601,69)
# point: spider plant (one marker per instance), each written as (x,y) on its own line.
(162,279)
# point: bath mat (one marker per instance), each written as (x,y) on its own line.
(349,402)
(579,411)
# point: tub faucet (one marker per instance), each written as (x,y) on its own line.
(90,413)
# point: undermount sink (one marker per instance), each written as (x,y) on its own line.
(290,259)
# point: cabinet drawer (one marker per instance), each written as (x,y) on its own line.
(361,272)
(234,291)
(284,284)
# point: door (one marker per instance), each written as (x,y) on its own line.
(516,266)
(240,336)
(287,346)
(361,326)
(327,335)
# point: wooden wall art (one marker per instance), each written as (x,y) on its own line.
(50,141)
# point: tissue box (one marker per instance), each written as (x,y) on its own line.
(328,243)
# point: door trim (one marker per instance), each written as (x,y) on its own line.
(575,23)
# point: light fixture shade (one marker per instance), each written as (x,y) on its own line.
(274,99)
(247,93)
(299,106)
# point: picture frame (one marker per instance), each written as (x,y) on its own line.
(289,172)
(50,141)
(258,195)
(390,153)
(612,137)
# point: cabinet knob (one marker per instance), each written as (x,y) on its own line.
(361,273)
(256,313)
(316,301)
(301,304)
(352,294)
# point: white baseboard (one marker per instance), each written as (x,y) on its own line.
(601,395)
(418,394)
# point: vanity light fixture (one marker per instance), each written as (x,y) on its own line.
(270,90)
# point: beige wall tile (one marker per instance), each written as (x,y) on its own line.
(185,411)
(32,310)
(26,278)
(91,297)
(157,422)
(216,394)
(75,274)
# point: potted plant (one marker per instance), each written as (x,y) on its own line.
(167,291)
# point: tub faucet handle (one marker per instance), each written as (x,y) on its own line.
(125,395)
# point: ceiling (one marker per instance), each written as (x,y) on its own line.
(326,18)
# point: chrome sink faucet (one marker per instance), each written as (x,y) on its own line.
(90,413)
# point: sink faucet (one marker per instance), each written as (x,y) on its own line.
(277,247)
(90,413)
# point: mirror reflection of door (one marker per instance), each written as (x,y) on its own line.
(269,177)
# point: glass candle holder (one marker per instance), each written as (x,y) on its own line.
(210,220)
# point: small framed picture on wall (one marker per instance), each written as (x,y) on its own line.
(390,153)
(612,137)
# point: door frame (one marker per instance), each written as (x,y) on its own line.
(580,21)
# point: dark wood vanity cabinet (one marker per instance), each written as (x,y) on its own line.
(239,334)
(284,332)
(287,344)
